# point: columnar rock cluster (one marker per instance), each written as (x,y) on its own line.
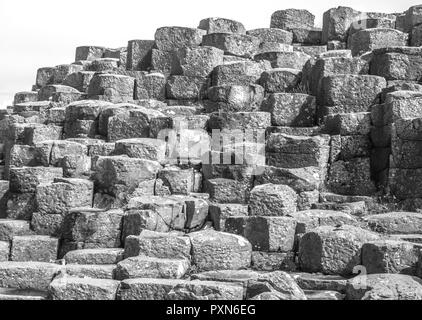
(221,163)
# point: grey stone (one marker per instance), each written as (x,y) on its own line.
(102,271)
(235,98)
(280,80)
(159,289)
(27,275)
(221,25)
(171,38)
(64,194)
(291,109)
(158,245)
(74,288)
(284,59)
(292,18)
(384,287)
(395,222)
(100,256)
(26,179)
(264,233)
(34,248)
(139,54)
(10,228)
(212,250)
(272,200)
(241,45)
(370,39)
(390,256)
(151,267)
(333,250)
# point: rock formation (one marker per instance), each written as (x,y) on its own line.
(221,163)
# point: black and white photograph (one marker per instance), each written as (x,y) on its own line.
(232,152)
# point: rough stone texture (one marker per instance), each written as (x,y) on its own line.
(240,45)
(239,120)
(89,53)
(4,251)
(95,228)
(396,222)
(143,148)
(390,256)
(318,281)
(310,219)
(171,38)
(166,289)
(113,170)
(384,287)
(175,158)
(219,212)
(94,256)
(280,80)
(264,233)
(64,194)
(272,200)
(333,250)
(212,250)
(158,245)
(284,59)
(221,25)
(115,88)
(273,261)
(278,282)
(336,23)
(10,228)
(34,248)
(27,275)
(272,35)
(26,179)
(197,62)
(20,206)
(156,213)
(139,54)
(292,18)
(73,288)
(150,267)
(370,39)
(240,73)
(228,98)
(351,177)
(344,124)
(102,271)
(357,92)
(226,190)
(291,109)
(303,151)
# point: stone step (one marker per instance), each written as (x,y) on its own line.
(323,295)
(100,256)
(34,248)
(357,208)
(27,275)
(10,228)
(20,294)
(320,282)
(75,288)
(95,271)
(151,267)
(164,289)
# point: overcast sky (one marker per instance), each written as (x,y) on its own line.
(43,33)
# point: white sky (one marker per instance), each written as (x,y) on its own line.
(41,33)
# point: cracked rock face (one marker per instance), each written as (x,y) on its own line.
(220,163)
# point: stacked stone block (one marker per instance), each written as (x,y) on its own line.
(220,163)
